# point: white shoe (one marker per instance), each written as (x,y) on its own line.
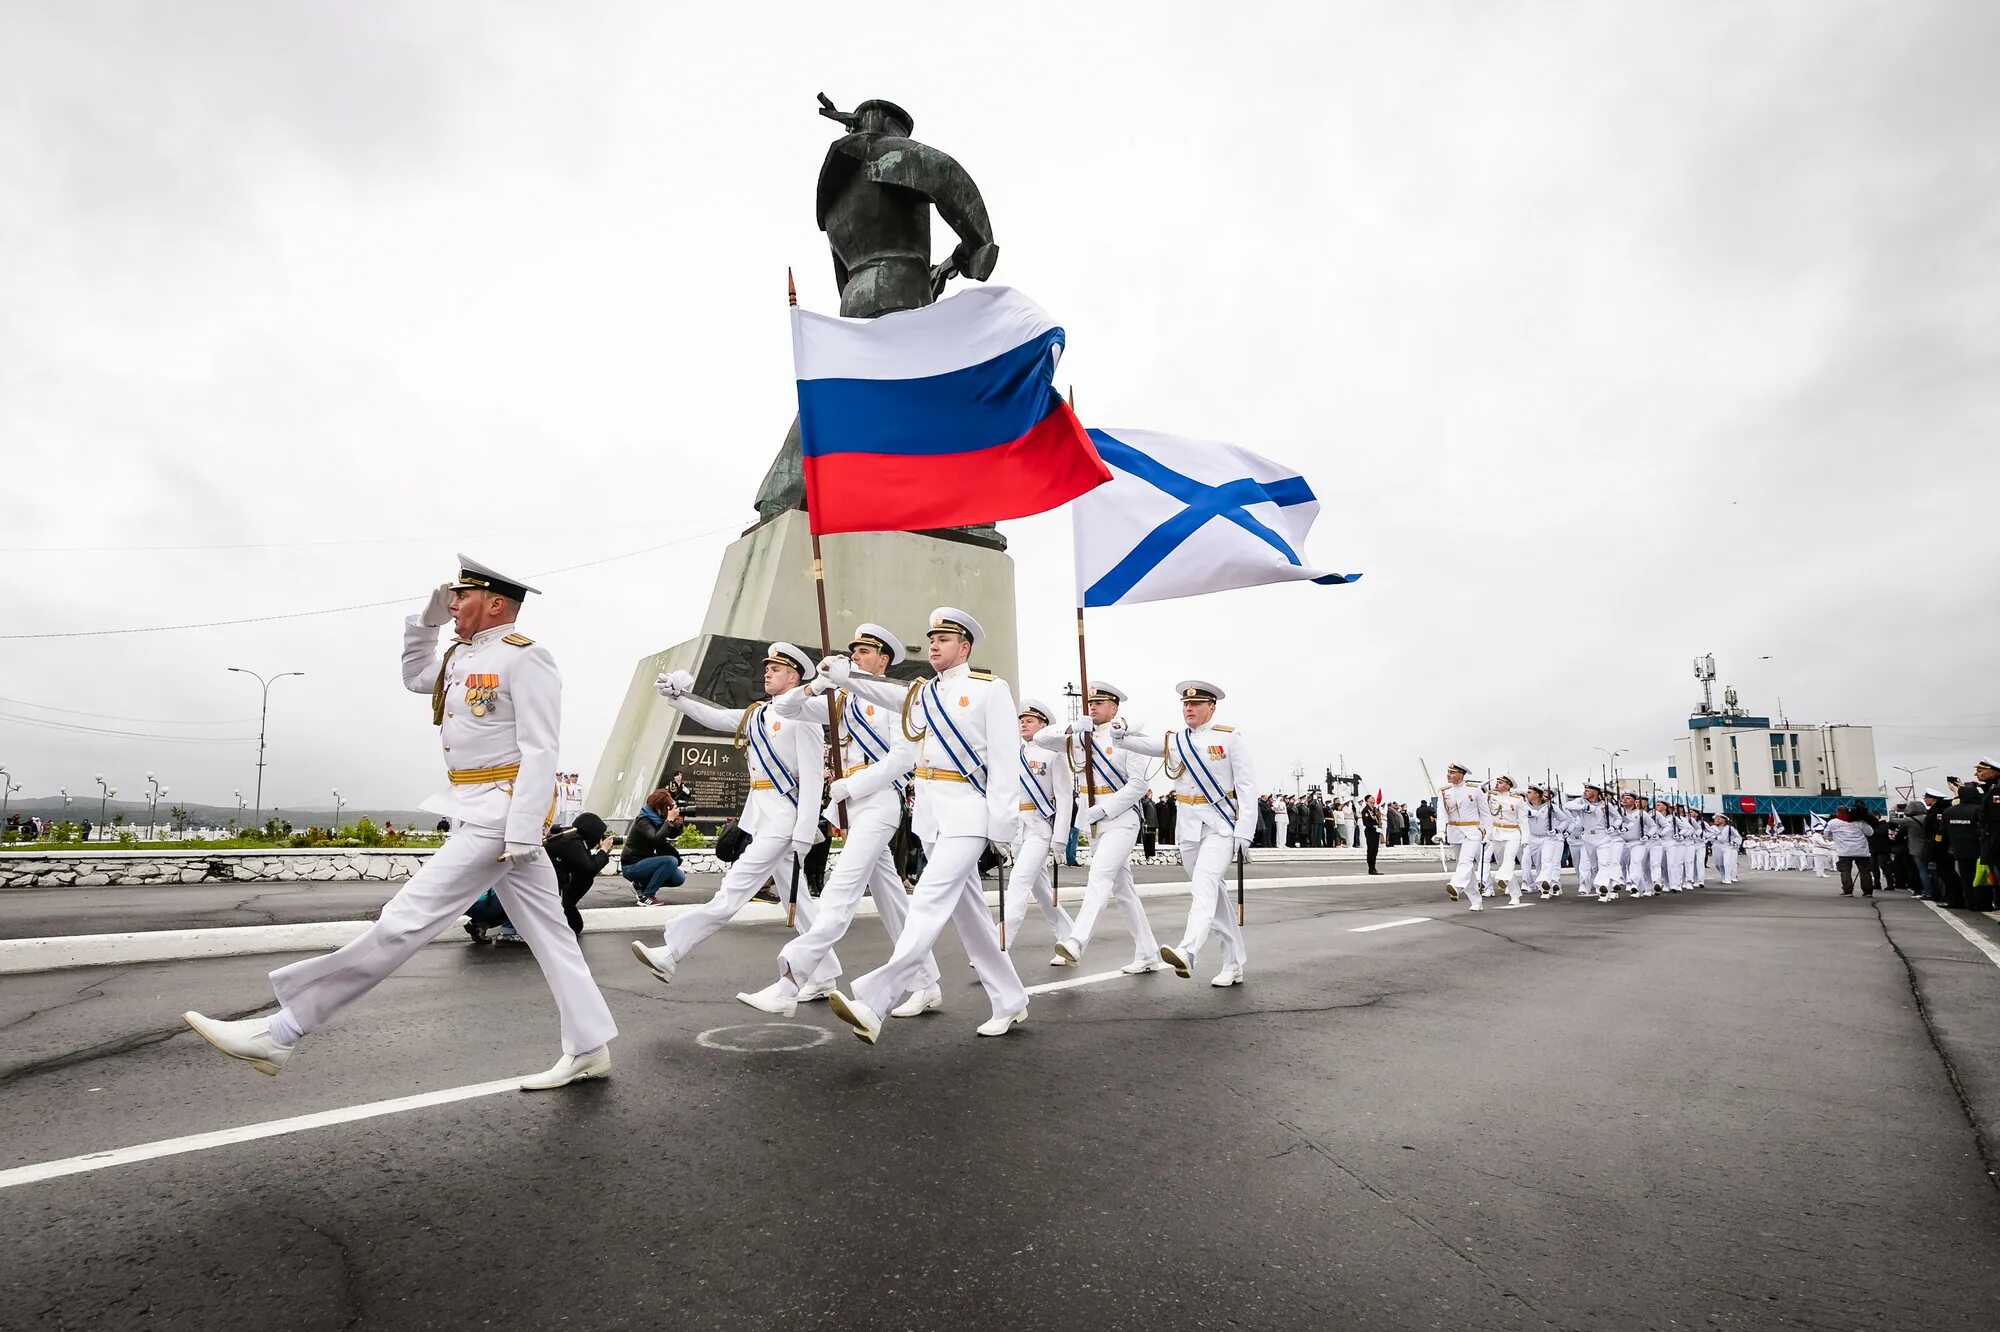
(814,991)
(856,1015)
(919,1003)
(572,1068)
(1227,977)
(1477,905)
(773,999)
(1000,1026)
(1140,966)
(1182,964)
(1062,959)
(1070,949)
(656,960)
(248,1040)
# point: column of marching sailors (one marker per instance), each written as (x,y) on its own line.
(1504,843)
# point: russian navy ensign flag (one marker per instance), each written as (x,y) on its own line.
(943,416)
(1183,516)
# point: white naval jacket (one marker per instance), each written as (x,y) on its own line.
(515,685)
(787,761)
(1504,809)
(1543,821)
(1115,774)
(1048,794)
(1463,812)
(1206,762)
(1586,818)
(962,717)
(875,757)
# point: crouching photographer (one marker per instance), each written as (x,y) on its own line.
(652,856)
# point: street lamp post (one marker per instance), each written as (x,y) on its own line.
(1610,768)
(103,799)
(263,713)
(6,791)
(338,805)
(1910,776)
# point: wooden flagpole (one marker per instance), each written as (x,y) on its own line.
(1083,684)
(825,634)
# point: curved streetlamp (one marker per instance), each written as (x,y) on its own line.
(263,713)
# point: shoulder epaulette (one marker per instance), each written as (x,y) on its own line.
(1223,728)
(980,675)
(518,640)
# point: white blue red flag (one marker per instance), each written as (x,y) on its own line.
(1183,517)
(943,416)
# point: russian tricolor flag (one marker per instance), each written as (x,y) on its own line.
(944,416)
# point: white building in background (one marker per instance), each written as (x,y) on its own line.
(1748,765)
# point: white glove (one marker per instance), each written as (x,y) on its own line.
(1089,815)
(801,847)
(840,792)
(1242,847)
(819,685)
(1002,850)
(674,684)
(522,853)
(1082,725)
(437,611)
(838,669)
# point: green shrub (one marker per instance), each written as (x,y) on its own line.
(690,839)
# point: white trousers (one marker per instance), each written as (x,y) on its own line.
(769,856)
(1725,862)
(1209,909)
(864,865)
(1609,854)
(1676,875)
(1506,850)
(1637,858)
(948,891)
(1111,878)
(316,990)
(1583,850)
(1030,877)
(1545,862)
(1467,853)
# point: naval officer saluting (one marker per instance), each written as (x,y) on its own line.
(1216,789)
(497,701)
(965,728)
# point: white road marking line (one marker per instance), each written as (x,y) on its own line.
(1100,977)
(1972,936)
(201,1142)
(1391,924)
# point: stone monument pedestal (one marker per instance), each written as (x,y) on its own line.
(764,593)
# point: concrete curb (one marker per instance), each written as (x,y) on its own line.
(59,952)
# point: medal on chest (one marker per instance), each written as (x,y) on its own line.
(480,692)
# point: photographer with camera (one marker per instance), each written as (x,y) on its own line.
(651,859)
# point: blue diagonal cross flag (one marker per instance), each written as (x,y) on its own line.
(1182,517)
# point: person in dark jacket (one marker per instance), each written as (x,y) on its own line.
(1961,845)
(1371,831)
(1168,815)
(1149,826)
(652,857)
(579,853)
(1427,822)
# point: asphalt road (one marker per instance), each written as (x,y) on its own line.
(1749,1107)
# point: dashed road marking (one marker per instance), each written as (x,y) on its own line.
(1391,924)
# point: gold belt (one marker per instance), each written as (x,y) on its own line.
(939,775)
(1456,824)
(1027,805)
(1201,799)
(760,784)
(481,776)
(1102,790)
(858,767)
(1515,826)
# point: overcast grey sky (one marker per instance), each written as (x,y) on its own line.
(1609,335)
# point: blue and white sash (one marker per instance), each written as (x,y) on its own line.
(1032,785)
(767,755)
(1197,767)
(939,718)
(1104,763)
(867,738)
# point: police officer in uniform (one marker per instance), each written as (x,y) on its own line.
(497,700)
(1215,785)
(787,778)
(966,730)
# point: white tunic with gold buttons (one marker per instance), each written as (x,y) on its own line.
(498,703)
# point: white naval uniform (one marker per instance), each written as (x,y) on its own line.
(569,802)
(1728,841)
(1048,806)
(1659,832)
(1504,839)
(1281,815)
(518,693)
(1630,826)
(968,763)
(1463,812)
(1591,844)
(1120,775)
(1821,850)
(1215,788)
(1542,831)
(877,761)
(787,762)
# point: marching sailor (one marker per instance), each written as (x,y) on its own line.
(1505,809)
(1467,820)
(1111,813)
(1591,844)
(965,727)
(1631,830)
(1542,844)
(787,777)
(1048,806)
(876,763)
(1215,786)
(1727,841)
(497,700)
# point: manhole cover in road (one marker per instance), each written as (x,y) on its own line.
(764,1037)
